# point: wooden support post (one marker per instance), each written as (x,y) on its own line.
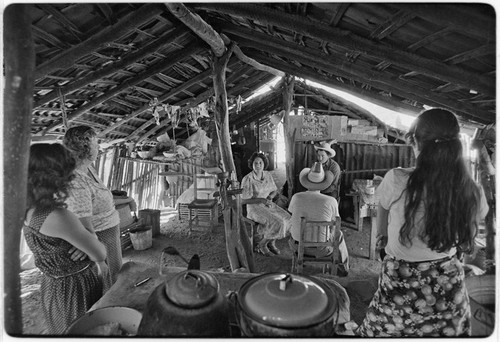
(239,253)
(19,62)
(236,251)
(289,136)
(221,110)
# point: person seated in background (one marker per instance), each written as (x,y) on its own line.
(69,286)
(259,190)
(313,205)
(325,154)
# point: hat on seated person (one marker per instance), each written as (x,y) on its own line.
(315,178)
(325,146)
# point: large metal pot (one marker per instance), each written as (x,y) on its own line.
(190,304)
(277,304)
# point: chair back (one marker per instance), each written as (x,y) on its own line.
(316,234)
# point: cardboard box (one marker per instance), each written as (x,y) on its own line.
(366,130)
(318,127)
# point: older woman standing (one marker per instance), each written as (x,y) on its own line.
(258,191)
(90,199)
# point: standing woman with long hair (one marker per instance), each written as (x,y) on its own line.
(90,199)
(426,215)
(69,287)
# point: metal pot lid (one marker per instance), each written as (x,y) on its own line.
(192,289)
(284,300)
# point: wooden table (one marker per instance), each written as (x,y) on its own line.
(124,293)
(365,205)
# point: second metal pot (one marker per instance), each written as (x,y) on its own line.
(279,304)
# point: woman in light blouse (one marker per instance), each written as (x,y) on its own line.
(258,191)
(427,216)
(90,199)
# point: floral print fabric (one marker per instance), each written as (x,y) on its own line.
(419,299)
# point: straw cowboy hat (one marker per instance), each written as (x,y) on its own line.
(315,178)
(326,146)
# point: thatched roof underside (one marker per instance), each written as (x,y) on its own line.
(101,64)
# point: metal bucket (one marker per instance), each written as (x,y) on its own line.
(481,291)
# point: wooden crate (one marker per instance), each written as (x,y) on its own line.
(184,211)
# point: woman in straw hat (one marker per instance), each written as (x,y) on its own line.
(313,205)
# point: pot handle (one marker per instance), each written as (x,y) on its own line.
(232,298)
(283,282)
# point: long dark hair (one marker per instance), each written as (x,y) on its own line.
(440,185)
(50,170)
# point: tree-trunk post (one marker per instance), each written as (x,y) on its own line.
(19,64)
(235,249)
(221,111)
(289,135)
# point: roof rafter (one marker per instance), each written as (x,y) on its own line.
(346,39)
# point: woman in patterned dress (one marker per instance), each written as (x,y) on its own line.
(91,200)
(69,287)
(426,215)
(259,190)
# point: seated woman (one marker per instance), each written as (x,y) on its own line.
(69,286)
(258,191)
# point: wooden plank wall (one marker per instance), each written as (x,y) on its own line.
(142,180)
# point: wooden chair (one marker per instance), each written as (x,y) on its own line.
(310,236)
(203,211)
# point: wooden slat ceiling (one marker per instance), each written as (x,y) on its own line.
(102,63)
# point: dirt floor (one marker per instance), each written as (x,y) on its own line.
(360,283)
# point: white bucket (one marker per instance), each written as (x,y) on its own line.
(141,238)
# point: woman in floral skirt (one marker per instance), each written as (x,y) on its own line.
(426,215)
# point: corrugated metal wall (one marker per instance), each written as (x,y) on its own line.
(376,158)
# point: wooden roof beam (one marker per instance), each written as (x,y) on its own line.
(67,58)
(173,92)
(392,24)
(199,27)
(217,42)
(485,117)
(429,39)
(194,101)
(346,39)
(242,57)
(360,74)
(112,68)
(341,9)
(475,53)
(450,15)
(65,22)
(158,67)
